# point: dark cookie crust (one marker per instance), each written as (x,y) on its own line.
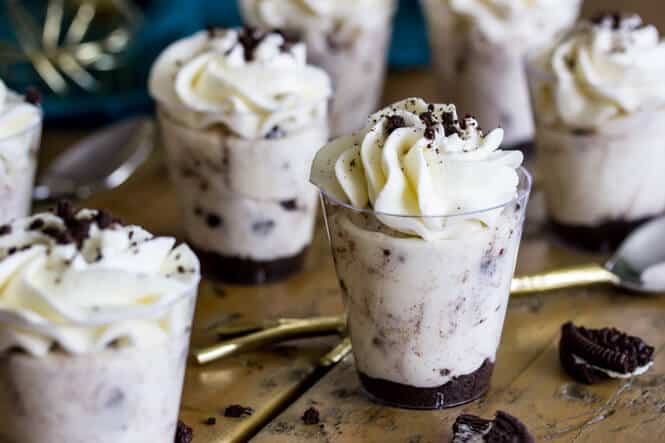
(602,238)
(458,391)
(605,348)
(249,272)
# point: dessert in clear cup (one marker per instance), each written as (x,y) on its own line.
(424,214)
(478,49)
(241,117)
(95,320)
(20,134)
(599,104)
(347,38)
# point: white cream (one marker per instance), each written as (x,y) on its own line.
(422,312)
(16,115)
(319,15)
(640,370)
(118,287)
(602,71)
(245,183)
(654,276)
(527,23)
(440,170)
(207,79)
(20,134)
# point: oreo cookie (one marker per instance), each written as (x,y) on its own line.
(593,355)
(183,433)
(503,429)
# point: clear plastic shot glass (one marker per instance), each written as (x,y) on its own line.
(246,204)
(599,184)
(18,163)
(125,393)
(425,317)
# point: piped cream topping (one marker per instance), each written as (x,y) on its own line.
(249,81)
(422,160)
(81,282)
(606,68)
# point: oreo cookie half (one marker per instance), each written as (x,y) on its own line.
(594,355)
(503,429)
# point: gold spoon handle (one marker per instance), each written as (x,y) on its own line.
(562,278)
(311,327)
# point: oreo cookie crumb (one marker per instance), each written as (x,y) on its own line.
(504,428)
(211,30)
(36,224)
(289,205)
(311,417)
(250,39)
(183,433)
(263,227)
(213,220)
(590,355)
(393,123)
(210,421)
(275,133)
(5,229)
(33,96)
(237,411)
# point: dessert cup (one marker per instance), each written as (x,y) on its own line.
(425,317)
(95,323)
(117,395)
(18,163)
(482,77)
(598,183)
(246,204)
(355,55)
(357,65)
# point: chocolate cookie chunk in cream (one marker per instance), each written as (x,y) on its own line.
(478,47)
(599,106)
(347,38)
(425,213)
(20,134)
(242,115)
(95,319)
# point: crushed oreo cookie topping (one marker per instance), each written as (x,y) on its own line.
(593,355)
(237,411)
(311,416)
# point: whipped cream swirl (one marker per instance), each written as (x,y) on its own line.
(16,114)
(82,282)
(342,16)
(605,68)
(249,81)
(518,22)
(421,160)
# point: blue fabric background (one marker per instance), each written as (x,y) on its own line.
(168,20)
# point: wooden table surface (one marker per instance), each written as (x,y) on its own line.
(278,382)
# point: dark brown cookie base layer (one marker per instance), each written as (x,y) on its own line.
(603,238)
(458,391)
(243,271)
